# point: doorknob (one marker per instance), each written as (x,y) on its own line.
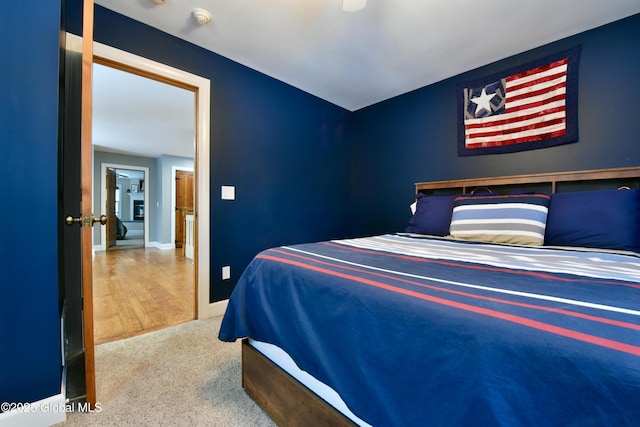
(102,220)
(85,220)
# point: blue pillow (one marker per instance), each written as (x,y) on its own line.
(607,219)
(515,219)
(433,215)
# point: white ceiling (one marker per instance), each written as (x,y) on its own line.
(139,116)
(355,59)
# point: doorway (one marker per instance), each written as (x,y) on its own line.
(125,200)
(129,203)
(138,120)
(86,48)
(124,60)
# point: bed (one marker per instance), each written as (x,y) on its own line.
(517,306)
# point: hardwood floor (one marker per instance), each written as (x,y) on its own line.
(136,291)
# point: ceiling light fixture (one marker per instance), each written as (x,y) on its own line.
(353,5)
(201,16)
(160,1)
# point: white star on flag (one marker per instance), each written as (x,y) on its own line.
(483,101)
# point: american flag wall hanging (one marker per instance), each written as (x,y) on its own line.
(525,108)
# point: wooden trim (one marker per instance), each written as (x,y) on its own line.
(143,73)
(552,179)
(287,401)
(86,203)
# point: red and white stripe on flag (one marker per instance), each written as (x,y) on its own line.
(535,109)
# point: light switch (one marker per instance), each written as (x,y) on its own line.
(228,192)
(226,272)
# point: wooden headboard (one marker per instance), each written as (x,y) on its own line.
(542,182)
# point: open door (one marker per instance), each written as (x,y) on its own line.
(70,237)
(87,202)
(185,192)
(112,226)
(77,238)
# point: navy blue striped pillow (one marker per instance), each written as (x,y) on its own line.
(516,219)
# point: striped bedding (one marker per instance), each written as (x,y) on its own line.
(415,331)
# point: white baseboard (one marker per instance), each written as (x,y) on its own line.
(214,309)
(45,412)
(162,246)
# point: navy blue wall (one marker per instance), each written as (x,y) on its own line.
(413,137)
(283,149)
(30,356)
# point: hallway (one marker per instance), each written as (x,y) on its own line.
(136,291)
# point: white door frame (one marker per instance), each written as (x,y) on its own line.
(202,162)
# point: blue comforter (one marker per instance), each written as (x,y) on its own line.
(416,331)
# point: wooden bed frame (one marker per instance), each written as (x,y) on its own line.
(287,401)
(290,403)
(544,182)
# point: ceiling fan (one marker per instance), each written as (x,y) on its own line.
(353,5)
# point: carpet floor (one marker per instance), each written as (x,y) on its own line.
(179,376)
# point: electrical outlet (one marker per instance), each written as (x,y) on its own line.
(226,272)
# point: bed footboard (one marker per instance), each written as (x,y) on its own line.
(282,397)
